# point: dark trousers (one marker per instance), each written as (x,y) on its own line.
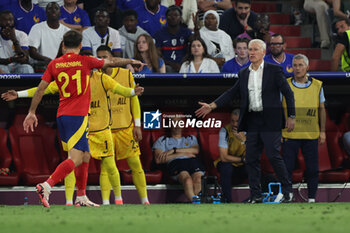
(309,148)
(258,138)
(228,172)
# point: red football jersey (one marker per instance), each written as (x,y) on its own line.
(72,75)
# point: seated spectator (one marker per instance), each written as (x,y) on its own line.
(115,14)
(340,26)
(26,15)
(278,56)
(130,31)
(45,37)
(319,8)
(230,164)
(239,19)
(13,46)
(171,40)
(188,8)
(73,17)
(241,60)
(197,59)
(129,4)
(102,34)
(151,16)
(146,51)
(218,42)
(216,5)
(341,52)
(43,3)
(179,154)
(262,30)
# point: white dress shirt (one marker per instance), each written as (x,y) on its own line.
(254,88)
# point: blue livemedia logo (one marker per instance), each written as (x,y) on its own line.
(151,120)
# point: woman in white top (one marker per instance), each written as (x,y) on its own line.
(218,42)
(197,59)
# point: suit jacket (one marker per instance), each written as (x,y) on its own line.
(273,83)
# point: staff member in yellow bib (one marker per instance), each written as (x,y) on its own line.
(310,123)
(126,131)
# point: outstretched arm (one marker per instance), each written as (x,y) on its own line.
(12,94)
(31,121)
(117,61)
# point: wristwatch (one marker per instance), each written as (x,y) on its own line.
(292,116)
(215,4)
(174,150)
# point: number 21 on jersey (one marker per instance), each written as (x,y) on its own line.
(76,77)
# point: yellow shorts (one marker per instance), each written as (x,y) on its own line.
(124,144)
(101,144)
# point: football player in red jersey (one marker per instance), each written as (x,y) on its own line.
(72,75)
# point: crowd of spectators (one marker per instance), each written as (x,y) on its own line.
(37,26)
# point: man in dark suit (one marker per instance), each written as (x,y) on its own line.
(259,87)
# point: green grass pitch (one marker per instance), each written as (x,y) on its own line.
(179,218)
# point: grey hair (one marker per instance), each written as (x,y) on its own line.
(260,42)
(301,56)
(236,112)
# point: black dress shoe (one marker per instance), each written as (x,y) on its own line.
(254,200)
(287,198)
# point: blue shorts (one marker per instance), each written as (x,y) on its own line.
(73,132)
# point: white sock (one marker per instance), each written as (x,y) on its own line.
(69,202)
(118,198)
(105,202)
(47,186)
(312,200)
(80,198)
(144,200)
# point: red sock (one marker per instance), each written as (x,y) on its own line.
(81,175)
(62,170)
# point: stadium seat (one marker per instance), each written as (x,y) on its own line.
(329,173)
(152,176)
(334,136)
(34,153)
(209,141)
(5,162)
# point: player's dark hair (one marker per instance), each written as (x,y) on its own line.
(85,53)
(104,48)
(72,39)
(129,12)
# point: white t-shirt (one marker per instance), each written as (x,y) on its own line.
(208,66)
(45,39)
(43,3)
(92,40)
(6,46)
